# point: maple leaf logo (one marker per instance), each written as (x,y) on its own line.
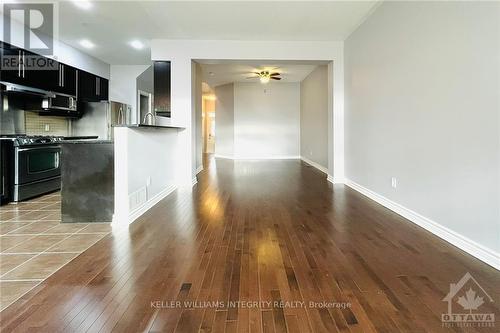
(470,301)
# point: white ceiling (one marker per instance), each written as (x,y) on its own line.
(227,71)
(111,25)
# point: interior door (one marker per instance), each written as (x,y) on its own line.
(211,132)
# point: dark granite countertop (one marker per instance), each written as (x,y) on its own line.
(148,126)
(89,142)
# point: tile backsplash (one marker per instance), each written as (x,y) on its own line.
(46,125)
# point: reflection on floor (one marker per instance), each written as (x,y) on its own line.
(34,244)
(258,246)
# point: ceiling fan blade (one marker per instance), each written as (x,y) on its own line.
(274,74)
(275,78)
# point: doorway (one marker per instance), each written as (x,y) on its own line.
(208,109)
(144,106)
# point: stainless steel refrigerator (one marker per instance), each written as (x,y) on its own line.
(99,117)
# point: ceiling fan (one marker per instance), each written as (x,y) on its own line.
(265,76)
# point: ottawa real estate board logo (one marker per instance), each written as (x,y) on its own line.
(467,302)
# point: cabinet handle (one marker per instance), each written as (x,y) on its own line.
(19,63)
(24,64)
(59,72)
(62,76)
(76,83)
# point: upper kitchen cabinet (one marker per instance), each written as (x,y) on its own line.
(26,68)
(23,67)
(161,72)
(11,64)
(104,89)
(91,88)
(61,79)
(66,80)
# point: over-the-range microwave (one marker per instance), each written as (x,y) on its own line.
(60,102)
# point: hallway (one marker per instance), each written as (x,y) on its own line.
(259,232)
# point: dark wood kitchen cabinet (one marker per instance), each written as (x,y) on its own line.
(23,67)
(11,64)
(104,89)
(65,83)
(33,70)
(86,89)
(161,81)
(91,88)
(19,67)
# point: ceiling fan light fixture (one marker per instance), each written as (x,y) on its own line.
(264,76)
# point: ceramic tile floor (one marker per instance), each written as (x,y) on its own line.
(34,244)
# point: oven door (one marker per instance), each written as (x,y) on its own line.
(37,163)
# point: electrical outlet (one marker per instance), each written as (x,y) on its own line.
(394,182)
(47,127)
(148,181)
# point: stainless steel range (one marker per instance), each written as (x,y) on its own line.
(35,166)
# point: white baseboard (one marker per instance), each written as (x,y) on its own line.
(199,169)
(314,164)
(334,180)
(224,156)
(476,250)
(277,157)
(118,220)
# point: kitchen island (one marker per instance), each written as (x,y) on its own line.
(87,181)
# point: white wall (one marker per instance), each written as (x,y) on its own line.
(145,170)
(123,85)
(182,52)
(422,105)
(314,116)
(257,121)
(197,117)
(73,57)
(266,120)
(224,120)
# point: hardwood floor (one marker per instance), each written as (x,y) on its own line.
(271,235)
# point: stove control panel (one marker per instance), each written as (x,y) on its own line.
(36,140)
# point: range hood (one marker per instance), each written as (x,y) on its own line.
(20,89)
